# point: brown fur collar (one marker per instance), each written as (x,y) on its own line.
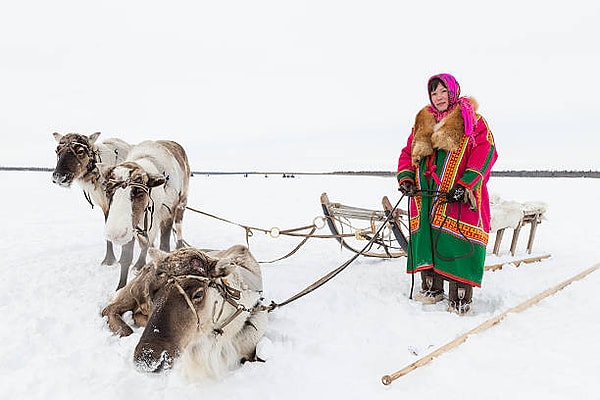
(446,134)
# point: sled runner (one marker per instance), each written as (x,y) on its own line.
(492,265)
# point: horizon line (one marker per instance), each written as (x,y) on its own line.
(501,173)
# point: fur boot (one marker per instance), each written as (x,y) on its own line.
(460,297)
(432,287)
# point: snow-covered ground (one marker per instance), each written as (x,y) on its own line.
(338,341)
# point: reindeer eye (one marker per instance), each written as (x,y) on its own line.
(198,294)
(136,192)
(80,152)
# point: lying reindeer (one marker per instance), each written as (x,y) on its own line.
(203,308)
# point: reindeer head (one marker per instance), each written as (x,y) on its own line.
(75,157)
(184,307)
(128,188)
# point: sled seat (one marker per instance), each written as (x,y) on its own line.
(344,211)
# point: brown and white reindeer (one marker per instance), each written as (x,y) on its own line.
(78,160)
(203,309)
(147,195)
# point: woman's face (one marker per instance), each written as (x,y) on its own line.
(439,98)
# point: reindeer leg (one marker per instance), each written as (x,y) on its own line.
(109,257)
(178,222)
(134,298)
(253,330)
(141,261)
(125,261)
(165,235)
(140,318)
(121,304)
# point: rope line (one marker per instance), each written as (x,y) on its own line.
(360,234)
(274,232)
(293,232)
(332,274)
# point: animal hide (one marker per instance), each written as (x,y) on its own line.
(421,144)
(429,135)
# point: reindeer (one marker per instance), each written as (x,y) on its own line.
(147,194)
(203,308)
(78,160)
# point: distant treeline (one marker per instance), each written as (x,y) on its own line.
(548,174)
(508,173)
(42,169)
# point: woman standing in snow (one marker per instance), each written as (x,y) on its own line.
(444,168)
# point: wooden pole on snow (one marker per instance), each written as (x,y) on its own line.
(388,379)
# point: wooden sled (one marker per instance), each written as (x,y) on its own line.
(532,218)
(393,243)
(342,220)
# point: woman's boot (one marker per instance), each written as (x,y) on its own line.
(432,287)
(460,297)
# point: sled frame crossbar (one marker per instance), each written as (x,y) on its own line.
(336,212)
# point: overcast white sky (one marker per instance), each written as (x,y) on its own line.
(303,85)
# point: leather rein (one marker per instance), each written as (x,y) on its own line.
(229,294)
(113,184)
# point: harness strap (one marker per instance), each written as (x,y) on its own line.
(88,198)
(229,295)
(187,299)
(333,273)
(148,212)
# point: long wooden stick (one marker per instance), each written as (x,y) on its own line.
(388,379)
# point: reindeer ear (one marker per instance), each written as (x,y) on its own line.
(223,267)
(57,136)
(92,138)
(155,180)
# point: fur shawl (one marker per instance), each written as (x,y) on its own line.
(429,134)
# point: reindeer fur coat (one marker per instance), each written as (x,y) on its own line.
(450,238)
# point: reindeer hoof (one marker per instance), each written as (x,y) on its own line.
(108,261)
